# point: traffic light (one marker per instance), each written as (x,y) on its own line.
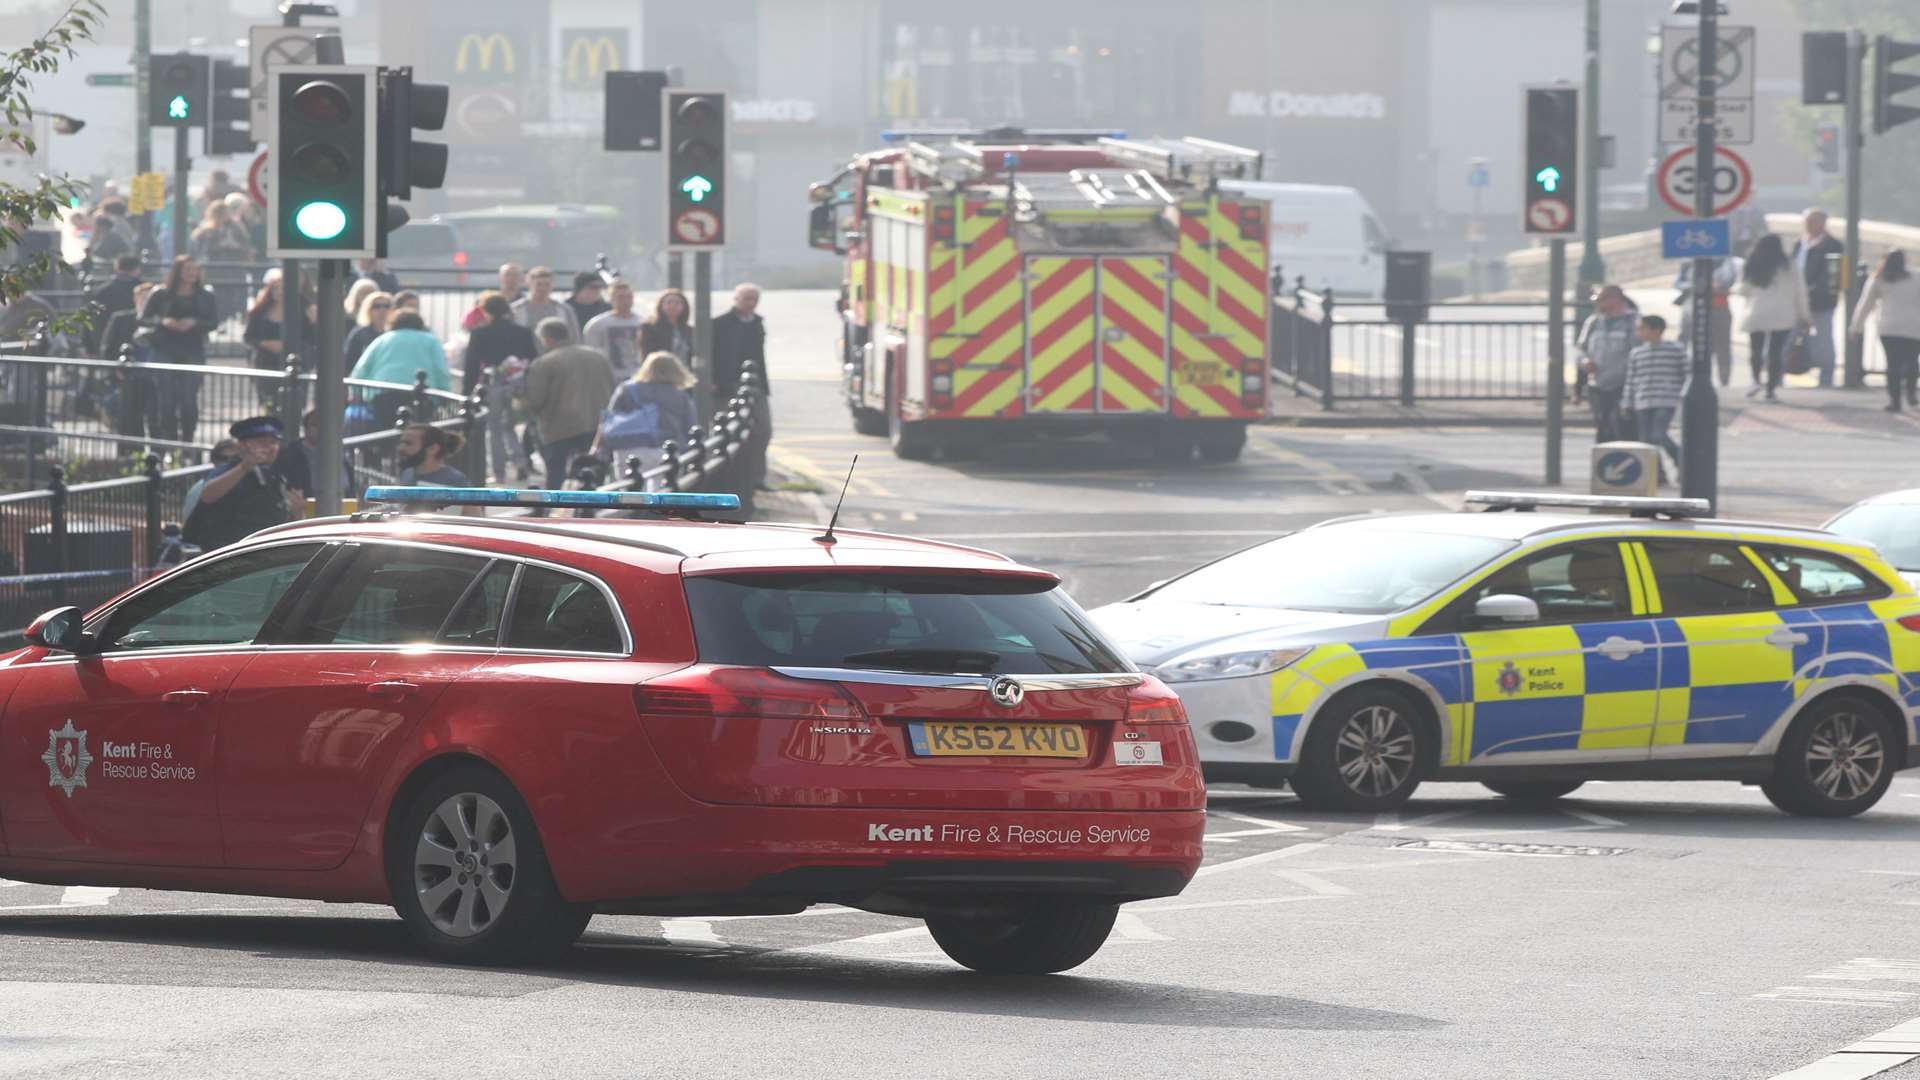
(407,106)
(322,190)
(1826,147)
(1823,67)
(230,114)
(633,110)
(1552,178)
(1889,84)
(177,91)
(696,123)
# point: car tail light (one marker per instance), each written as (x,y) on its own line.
(460,259)
(1250,223)
(943,231)
(714,692)
(1911,622)
(940,384)
(1152,703)
(1253,381)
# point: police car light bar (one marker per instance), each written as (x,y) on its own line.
(480,496)
(1632,504)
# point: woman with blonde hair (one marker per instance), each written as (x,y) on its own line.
(357,295)
(649,410)
(370,320)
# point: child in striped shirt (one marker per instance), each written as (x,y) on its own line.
(1656,380)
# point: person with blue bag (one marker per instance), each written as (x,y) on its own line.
(647,411)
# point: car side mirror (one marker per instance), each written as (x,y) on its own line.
(1504,609)
(823,230)
(58,629)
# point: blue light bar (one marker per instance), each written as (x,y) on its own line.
(480,496)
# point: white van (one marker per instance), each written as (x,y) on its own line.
(1330,234)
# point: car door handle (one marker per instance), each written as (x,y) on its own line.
(1787,639)
(392,690)
(186,699)
(1619,648)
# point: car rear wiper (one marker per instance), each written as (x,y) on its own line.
(939,661)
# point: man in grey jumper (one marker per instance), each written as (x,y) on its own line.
(540,305)
(1605,343)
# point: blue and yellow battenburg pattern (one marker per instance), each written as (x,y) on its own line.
(1623,685)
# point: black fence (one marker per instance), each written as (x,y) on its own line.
(1455,351)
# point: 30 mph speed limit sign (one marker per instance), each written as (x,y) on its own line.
(1731,180)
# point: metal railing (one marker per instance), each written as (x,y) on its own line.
(1459,351)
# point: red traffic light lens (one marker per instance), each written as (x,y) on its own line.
(320,163)
(699,111)
(322,103)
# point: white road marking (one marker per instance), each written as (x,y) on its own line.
(87,896)
(1838,995)
(1870,969)
(867,939)
(690,931)
(1870,1056)
(1266,824)
(1132,927)
(818,909)
(1313,883)
(1392,823)
(1601,820)
(5,884)
(1252,902)
(1263,857)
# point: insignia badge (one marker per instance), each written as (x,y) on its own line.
(1510,679)
(67,758)
(1006,692)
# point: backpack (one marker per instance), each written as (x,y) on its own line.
(631,428)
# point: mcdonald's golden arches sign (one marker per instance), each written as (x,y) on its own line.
(485,56)
(588,53)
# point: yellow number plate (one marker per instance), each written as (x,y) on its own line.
(944,738)
(1203,373)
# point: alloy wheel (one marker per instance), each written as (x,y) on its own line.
(1845,756)
(1374,753)
(464,863)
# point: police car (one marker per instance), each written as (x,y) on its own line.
(1532,651)
(501,726)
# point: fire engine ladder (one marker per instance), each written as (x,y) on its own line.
(949,164)
(1034,194)
(1189,160)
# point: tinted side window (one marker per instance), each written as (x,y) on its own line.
(477,621)
(224,603)
(1703,578)
(1579,583)
(561,613)
(390,596)
(1818,578)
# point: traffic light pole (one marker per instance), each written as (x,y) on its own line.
(143,124)
(1855,375)
(181,162)
(703,313)
(1592,270)
(1700,409)
(329,388)
(1556,353)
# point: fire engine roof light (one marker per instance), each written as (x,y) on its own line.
(480,496)
(1633,504)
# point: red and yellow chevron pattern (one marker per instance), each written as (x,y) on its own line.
(976,319)
(1060,350)
(1219,307)
(1133,335)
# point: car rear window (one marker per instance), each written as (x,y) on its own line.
(942,623)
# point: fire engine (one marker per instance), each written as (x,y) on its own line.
(1009,283)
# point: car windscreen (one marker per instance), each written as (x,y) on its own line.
(1358,569)
(420,240)
(938,623)
(1892,527)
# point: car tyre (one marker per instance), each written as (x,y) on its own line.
(469,875)
(1051,935)
(909,444)
(1366,751)
(1533,791)
(1220,442)
(868,421)
(1836,760)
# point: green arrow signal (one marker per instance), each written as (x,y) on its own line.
(177,108)
(697,187)
(1548,179)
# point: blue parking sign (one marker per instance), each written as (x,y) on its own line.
(1696,239)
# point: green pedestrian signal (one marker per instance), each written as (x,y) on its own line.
(1548,179)
(177,108)
(697,187)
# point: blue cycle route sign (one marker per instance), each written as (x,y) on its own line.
(1696,239)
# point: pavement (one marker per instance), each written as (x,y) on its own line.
(1634,931)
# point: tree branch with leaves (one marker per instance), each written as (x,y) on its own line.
(21,208)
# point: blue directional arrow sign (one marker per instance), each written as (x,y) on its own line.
(696,187)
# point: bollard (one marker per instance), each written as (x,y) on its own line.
(57,529)
(670,457)
(151,470)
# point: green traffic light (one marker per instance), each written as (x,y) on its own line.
(177,108)
(697,187)
(1548,179)
(320,220)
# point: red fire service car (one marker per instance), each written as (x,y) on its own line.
(501,726)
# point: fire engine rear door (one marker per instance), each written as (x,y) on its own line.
(1134,365)
(1061,345)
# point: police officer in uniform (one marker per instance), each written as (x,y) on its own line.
(242,498)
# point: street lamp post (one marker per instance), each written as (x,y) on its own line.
(1592,270)
(1700,417)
